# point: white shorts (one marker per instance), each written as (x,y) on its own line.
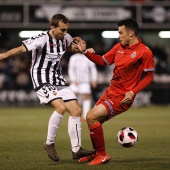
(49,92)
(82,88)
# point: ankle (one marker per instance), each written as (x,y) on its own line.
(75,148)
(102,153)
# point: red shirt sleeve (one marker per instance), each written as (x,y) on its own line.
(106,59)
(144,82)
(95,58)
(148,61)
(109,57)
(148,68)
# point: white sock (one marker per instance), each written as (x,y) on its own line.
(53,125)
(74,131)
(86,107)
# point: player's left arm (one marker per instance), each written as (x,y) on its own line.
(146,81)
(148,66)
(142,85)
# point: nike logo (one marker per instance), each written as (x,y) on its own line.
(103,160)
(91,132)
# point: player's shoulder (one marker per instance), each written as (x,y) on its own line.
(145,49)
(36,39)
(116,46)
(40,35)
(68,36)
(40,38)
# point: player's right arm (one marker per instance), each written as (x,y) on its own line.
(13,52)
(90,53)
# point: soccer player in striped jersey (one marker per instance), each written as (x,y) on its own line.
(134,70)
(49,84)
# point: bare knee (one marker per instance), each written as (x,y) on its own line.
(97,114)
(60,109)
(77,112)
(59,106)
(91,117)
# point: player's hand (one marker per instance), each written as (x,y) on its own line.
(76,40)
(91,50)
(128,98)
(81,45)
(78,45)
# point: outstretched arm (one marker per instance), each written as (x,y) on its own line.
(13,52)
(90,53)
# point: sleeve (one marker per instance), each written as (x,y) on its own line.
(109,57)
(95,58)
(148,61)
(71,69)
(144,82)
(69,39)
(34,42)
(148,68)
(106,59)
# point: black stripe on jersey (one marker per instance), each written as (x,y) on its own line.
(55,68)
(41,64)
(51,44)
(47,70)
(66,43)
(63,45)
(59,72)
(34,66)
(58,46)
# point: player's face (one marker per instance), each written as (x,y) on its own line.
(124,36)
(60,31)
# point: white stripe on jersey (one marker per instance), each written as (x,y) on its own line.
(46,58)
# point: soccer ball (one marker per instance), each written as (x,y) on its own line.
(127,137)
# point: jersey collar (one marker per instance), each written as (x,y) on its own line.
(133,46)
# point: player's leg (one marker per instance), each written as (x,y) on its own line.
(49,94)
(95,118)
(105,109)
(74,130)
(53,125)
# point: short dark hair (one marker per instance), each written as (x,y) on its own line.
(57,18)
(130,24)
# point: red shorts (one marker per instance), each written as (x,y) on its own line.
(112,103)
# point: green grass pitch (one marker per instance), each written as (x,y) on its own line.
(23,132)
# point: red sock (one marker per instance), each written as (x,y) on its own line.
(97,138)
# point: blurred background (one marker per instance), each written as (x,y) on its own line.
(90,20)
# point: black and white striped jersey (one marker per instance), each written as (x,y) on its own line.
(46,59)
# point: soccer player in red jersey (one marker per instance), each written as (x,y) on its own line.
(134,70)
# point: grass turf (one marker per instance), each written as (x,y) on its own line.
(23,132)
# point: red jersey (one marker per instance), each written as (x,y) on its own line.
(130,63)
